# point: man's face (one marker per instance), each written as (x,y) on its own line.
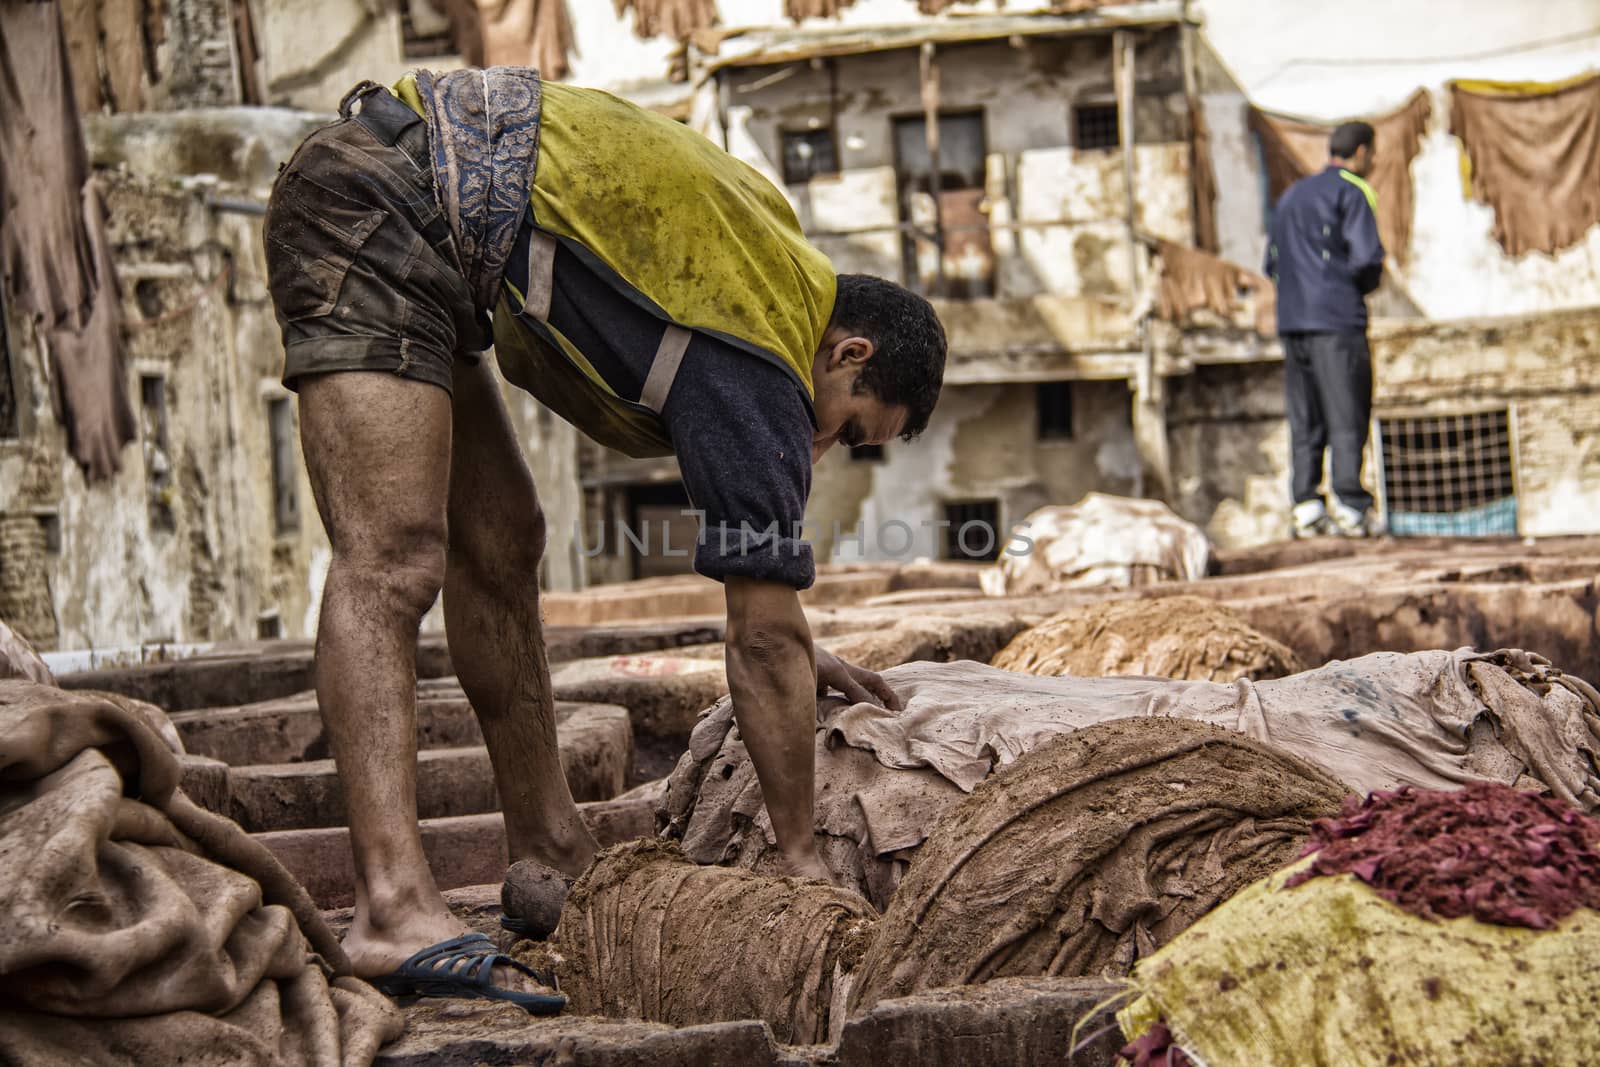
(848,414)
(1361,162)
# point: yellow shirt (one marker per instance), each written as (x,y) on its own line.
(700,235)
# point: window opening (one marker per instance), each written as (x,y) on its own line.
(809,154)
(974,530)
(959,224)
(1095,126)
(158,473)
(1054,401)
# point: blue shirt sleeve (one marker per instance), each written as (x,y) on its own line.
(742,432)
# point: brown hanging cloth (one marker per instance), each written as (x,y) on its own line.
(513,33)
(1295,147)
(1534,154)
(677,19)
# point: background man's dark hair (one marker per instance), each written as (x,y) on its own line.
(1347,138)
(907,365)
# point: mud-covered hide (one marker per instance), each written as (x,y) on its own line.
(1090,852)
(1434,720)
(647,934)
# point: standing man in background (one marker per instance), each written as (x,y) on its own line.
(1324,255)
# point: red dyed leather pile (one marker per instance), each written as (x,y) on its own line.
(1155,1049)
(1489,851)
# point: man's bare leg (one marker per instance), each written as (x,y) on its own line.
(377,448)
(491,611)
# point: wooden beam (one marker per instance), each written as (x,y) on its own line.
(929,70)
(1122,77)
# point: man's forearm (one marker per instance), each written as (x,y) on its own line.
(772,678)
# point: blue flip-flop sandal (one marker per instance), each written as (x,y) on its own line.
(464,967)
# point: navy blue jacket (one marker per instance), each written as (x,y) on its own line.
(1323,253)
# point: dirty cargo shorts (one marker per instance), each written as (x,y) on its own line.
(360,260)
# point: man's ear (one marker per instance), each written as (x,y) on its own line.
(851,352)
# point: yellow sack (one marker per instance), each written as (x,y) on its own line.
(1329,973)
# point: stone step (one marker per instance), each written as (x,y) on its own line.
(462,850)
(1011,1022)
(248,672)
(596,743)
(241,673)
(663,693)
(460,1033)
(290,730)
(205,781)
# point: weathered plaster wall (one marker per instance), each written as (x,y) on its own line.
(30,488)
(204,559)
(312,51)
(1073,199)
(982,443)
(1230,448)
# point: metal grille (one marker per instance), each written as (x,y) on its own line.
(1450,475)
(974,530)
(1095,126)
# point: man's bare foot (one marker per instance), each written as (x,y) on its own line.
(808,864)
(571,855)
(373,955)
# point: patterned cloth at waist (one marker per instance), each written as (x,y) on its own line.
(483,130)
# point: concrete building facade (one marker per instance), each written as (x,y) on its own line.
(1060,381)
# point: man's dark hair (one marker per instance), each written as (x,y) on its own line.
(1347,138)
(907,364)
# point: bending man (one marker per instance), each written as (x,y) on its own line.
(646,286)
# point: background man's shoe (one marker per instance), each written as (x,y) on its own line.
(1311,519)
(1348,522)
(1322,526)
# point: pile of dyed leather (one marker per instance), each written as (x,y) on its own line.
(1427,928)
(1490,852)
(1188,637)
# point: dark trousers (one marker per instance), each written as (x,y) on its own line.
(1328,379)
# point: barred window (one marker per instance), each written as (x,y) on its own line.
(1449,474)
(1095,126)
